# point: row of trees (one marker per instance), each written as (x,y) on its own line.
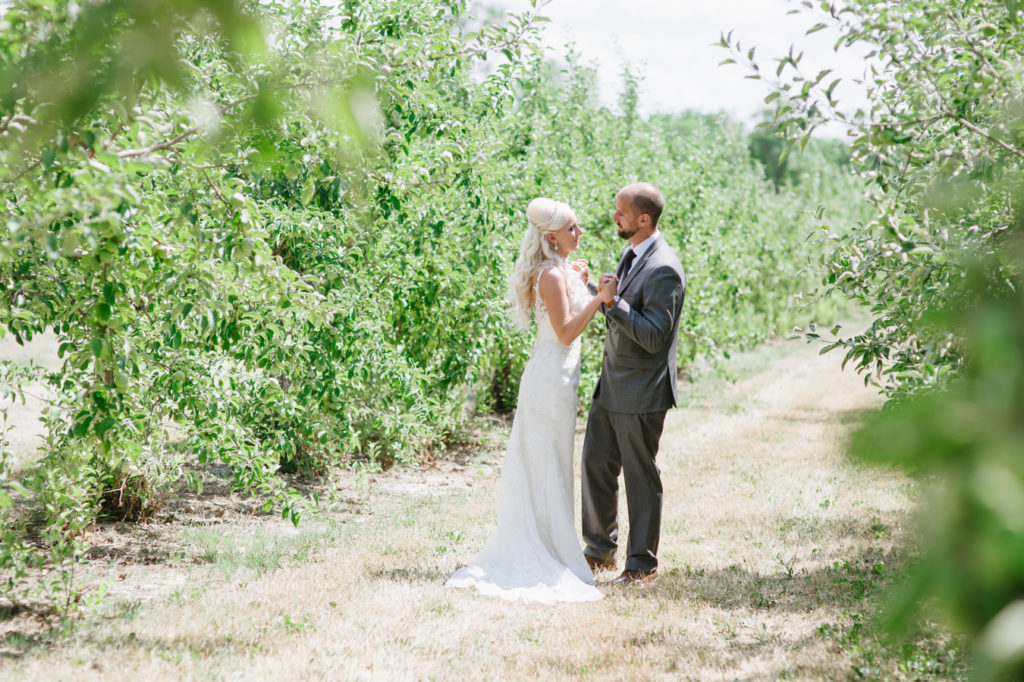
(941,267)
(275,235)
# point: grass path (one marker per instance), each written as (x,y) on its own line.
(774,552)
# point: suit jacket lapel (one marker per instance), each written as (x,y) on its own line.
(638,264)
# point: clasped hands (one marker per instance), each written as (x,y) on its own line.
(607,287)
(607,284)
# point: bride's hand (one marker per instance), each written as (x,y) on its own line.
(581,267)
(608,288)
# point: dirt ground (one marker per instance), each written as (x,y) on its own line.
(25,436)
(775,554)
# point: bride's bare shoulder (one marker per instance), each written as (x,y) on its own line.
(550,275)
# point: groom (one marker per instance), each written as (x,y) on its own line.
(636,387)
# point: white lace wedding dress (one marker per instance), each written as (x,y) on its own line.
(534,553)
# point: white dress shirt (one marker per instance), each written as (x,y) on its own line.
(640,249)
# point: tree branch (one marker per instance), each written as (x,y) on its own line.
(989,136)
(215,190)
(28,169)
(166,144)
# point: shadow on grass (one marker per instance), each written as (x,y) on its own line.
(24,627)
(824,416)
(676,653)
(189,522)
(845,583)
(679,655)
(136,544)
(844,594)
(407,575)
(177,647)
(845,578)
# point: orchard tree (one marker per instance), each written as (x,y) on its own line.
(940,267)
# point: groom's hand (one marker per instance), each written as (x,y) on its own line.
(607,287)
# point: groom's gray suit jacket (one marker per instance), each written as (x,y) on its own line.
(638,374)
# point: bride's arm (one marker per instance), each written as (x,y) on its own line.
(554,292)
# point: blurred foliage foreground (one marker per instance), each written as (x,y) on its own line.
(942,269)
(275,236)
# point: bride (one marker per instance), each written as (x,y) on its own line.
(534,553)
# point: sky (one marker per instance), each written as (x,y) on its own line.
(673,44)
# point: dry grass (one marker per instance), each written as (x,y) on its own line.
(774,551)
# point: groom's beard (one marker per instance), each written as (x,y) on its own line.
(625,232)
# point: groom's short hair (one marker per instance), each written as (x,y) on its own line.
(646,198)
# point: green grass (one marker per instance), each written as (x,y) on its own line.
(261,551)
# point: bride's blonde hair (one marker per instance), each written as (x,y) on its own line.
(544,216)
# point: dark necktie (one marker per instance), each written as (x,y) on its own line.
(627,260)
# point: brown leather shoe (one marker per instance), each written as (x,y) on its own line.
(596,565)
(628,577)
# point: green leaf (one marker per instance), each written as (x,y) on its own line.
(308,190)
(103,426)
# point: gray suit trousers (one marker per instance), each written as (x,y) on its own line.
(615,442)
